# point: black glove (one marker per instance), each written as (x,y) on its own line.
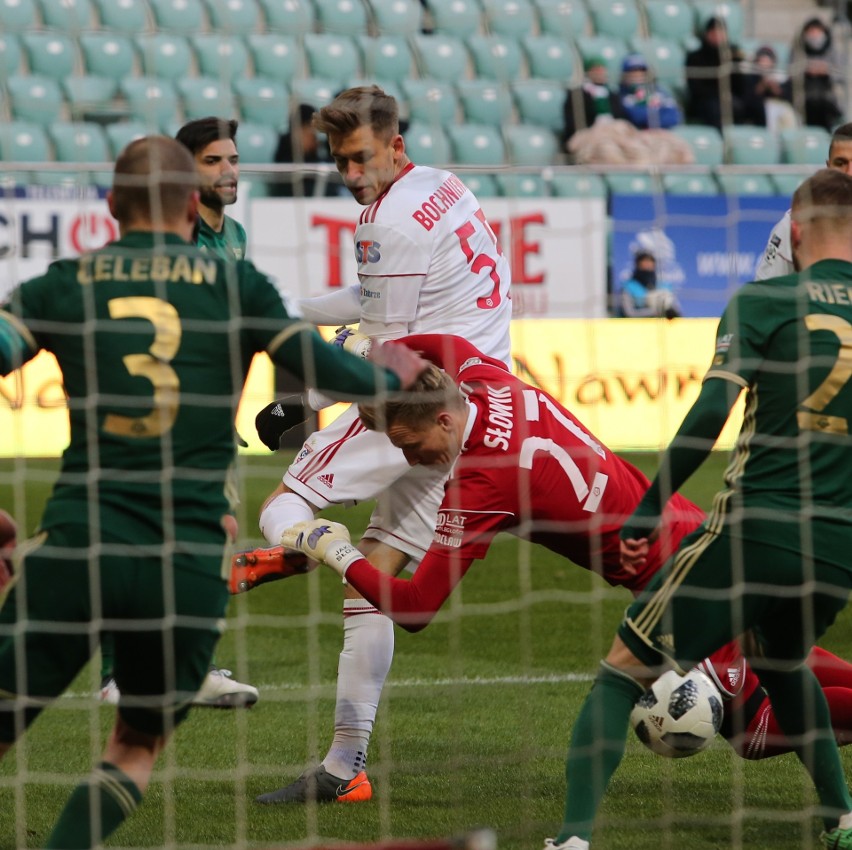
(277,418)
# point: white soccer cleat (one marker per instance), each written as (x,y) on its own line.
(573,843)
(219,690)
(109,691)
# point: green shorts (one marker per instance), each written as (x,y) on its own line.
(164,605)
(717,587)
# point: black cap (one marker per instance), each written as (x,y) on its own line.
(277,418)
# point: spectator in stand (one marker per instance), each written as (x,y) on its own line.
(642,296)
(767,92)
(814,75)
(713,79)
(592,101)
(646,104)
(301,144)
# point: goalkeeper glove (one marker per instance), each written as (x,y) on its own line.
(277,419)
(355,343)
(324,541)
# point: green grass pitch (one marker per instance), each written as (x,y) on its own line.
(472,729)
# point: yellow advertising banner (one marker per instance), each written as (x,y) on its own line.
(630,381)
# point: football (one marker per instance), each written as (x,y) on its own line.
(678,716)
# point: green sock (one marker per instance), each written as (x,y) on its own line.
(803,715)
(117,798)
(107,654)
(597,747)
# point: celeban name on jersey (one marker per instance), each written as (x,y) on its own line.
(444,197)
(500,417)
(179,269)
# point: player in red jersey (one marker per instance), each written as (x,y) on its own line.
(522,463)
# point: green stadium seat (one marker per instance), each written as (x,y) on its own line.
(121,133)
(458,18)
(690,184)
(615,18)
(673,20)
(24,141)
(485,102)
(730,11)
(563,18)
(805,145)
(397,17)
(787,182)
(17,16)
(203,96)
(223,57)
(530,145)
(751,146)
(127,17)
(315,91)
(427,144)
(333,57)
(513,18)
(521,185)
(551,58)
(476,144)
(275,56)
(88,94)
(233,17)
(10,54)
(152,101)
(50,54)
(540,102)
(68,16)
(262,101)
(632,183)
(565,184)
(178,17)
(343,17)
(430,101)
(496,57)
(665,59)
(746,184)
(167,56)
(78,141)
(611,50)
(441,57)
(482,185)
(289,17)
(34,98)
(386,57)
(257,142)
(706,142)
(107,54)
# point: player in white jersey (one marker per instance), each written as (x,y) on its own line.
(427,262)
(777,259)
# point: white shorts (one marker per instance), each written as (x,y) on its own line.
(344,464)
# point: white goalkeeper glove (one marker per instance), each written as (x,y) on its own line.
(324,541)
(355,343)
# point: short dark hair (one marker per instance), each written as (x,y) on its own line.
(826,194)
(196,135)
(357,107)
(643,255)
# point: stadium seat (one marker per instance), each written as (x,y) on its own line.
(431,102)
(262,101)
(706,142)
(257,142)
(107,54)
(34,98)
(458,18)
(127,17)
(276,57)
(476,144)
(632,183)
(673,20)
(17,16)
(50,54)
(665,59)
(482,185)
(611,50)
(166,56)
(333,57)
(289,17)
(10,54)
(521,185)
(746,184)
(751,146)
(121,133)
(88,94)
(427,144)
(485,102)
(441,57)
(203,96)
(78,142)
(397,17)
(563,18)
(787,182)
(315,91)
(222,57)
(729,10)
(152,101)
(343,17)
(615,18)
(530,145)
(805,145)
(513,18)
(550,58)
(68,16)
(496,57)
(566,184)
(233,17)
(386,57)
(178,17)
(540,102)
(690,184)
(23,141)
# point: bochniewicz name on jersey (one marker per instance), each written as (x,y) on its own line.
(449,529)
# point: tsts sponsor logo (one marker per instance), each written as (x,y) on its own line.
(449,529)
(367,251)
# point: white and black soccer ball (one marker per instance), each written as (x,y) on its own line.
(678,716)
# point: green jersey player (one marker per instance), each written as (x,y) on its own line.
(154,339)
(771,561)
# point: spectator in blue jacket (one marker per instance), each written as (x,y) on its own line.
(646,104)
(643,296)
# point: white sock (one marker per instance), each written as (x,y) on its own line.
(845,821)
(364,665)
(284,511)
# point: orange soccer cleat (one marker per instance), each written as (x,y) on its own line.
(258,566)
